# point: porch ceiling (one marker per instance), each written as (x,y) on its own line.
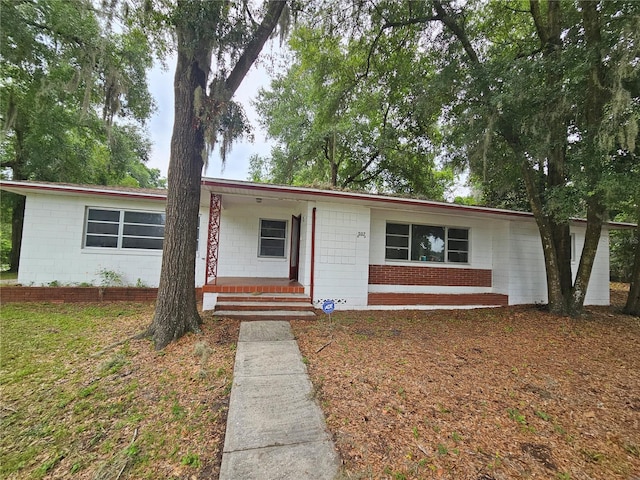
(230,200)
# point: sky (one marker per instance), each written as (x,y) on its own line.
(161,124)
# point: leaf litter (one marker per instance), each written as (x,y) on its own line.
(486,394)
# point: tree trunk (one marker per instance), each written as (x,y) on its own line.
(334,163)
(19,201)
(555,298)
(597,96)
(632,306)
(176,309)
(17,222)
(595,218)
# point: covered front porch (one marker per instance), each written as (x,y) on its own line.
(254,251)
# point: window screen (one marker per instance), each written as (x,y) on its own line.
(273,234)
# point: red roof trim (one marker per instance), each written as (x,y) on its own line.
(364,196)
(89,191)
(259,187)
(94,190)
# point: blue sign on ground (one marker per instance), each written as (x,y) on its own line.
(328,306)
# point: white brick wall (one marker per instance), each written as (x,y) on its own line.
(304,274)
(480,237)
(342,254)
(527,278)
(481,249)
(53,238)
(528,283)
(348,239)
(239,230)
(501,257)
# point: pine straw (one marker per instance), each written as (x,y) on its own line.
(484,394)
(487,394)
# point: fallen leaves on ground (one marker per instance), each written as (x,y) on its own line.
(485,394)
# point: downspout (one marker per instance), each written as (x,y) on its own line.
(313,251)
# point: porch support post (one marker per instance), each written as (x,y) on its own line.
(213,238)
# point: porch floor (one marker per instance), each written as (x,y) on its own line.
(253,285)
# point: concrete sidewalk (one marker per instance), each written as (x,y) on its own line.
(275,430)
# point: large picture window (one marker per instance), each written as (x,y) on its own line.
(426,243)
(273,235)
(122,229)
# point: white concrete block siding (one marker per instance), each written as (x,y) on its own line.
(527,273)
(349,238)
(239,238)
(481,249)
(342,254)
(53,237)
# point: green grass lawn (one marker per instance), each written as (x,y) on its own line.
(70,411)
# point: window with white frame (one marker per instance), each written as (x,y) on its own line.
(273,236)
(426,243)
(124,229)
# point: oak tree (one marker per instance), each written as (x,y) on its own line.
(216,45)
(67,78)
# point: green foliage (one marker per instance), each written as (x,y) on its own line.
(340,120)
(514,414)
(110,278)
(622,247)
(6,203)
(113,364)
(442,449)
(66,76)
(543,415)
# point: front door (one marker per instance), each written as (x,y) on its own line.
(295,248)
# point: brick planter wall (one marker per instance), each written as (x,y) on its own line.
(80,294)
(429,276)
(437,299)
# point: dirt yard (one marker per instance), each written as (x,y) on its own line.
(508,393)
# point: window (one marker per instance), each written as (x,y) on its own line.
(426,243)
(120,229)
(273,235)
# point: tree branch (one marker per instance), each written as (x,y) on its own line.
(351,178)
(396,24)
(254,47)
(51,31)
(458,31)
(534,8)
(373,175)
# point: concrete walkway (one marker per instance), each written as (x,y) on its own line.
(275,430)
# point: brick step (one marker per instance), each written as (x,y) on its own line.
(266,315)
(265,297)
(263,306)
(254,289)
